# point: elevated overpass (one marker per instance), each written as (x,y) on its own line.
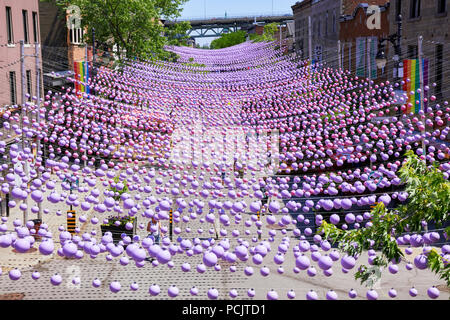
(215,27)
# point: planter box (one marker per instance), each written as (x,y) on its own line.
(117,231)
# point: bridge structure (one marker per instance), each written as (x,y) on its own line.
(216,27)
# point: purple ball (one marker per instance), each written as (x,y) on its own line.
(154,290)
(372,295)
(325,262)
(433,292)
(302,262)
(421,261)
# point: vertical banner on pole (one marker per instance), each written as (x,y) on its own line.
(412,72)
(360,57)
(373,54)
(81,71)
(76,76)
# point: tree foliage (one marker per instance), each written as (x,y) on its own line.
(229,39)
(268,33)
(429,201)
(134,26)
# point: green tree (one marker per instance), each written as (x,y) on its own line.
(229,39)
(268,33)
(134,26)
(429,201)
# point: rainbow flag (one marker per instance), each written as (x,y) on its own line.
(81,70)
(411,71)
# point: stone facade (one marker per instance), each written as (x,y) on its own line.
(324,29)
(301,11)
(422,17)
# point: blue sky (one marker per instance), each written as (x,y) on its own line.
(217,8)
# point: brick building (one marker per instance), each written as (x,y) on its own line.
(359,43)
(61,46)
(430,19)
(19,21)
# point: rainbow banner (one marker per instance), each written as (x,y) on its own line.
(81,70)
(411,71)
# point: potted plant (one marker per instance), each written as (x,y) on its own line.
(118,192)
(118,225)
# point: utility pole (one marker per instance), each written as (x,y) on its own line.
(422,93)
(339,55)
(86,64)
(310,39)
(369,61)
(25,162)
(38,115)
(280,34)
(93,60)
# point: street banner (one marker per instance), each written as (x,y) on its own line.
(412,72)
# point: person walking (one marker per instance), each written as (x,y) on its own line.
(154,227)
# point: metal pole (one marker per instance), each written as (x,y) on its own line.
(420,52)
(310,39)
(92,90)
(22,74)
(22,79)
(86,79)
(38,115)
(93,47)
(339,54)
(369,60)
(280,36)
(398,48)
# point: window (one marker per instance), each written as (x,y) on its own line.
(442,6)
(25,26)
(9,25)
(29,85)
(415,9)
(319,29)
(439,68)
(13,87)
(326,24)
(412,52)
(35,27)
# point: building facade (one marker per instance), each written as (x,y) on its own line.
(324,28)
(301,12)
(62,46)
(19,21)
(429,19)
(359,40)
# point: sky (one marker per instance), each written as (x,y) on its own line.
(217,8)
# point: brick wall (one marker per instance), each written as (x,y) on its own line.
(356,26)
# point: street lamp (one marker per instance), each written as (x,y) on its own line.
(381,59)
(395,39)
